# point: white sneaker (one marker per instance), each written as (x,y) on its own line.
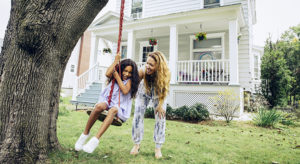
(91,145)
(80,142)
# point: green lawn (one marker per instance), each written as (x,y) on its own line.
(207,142)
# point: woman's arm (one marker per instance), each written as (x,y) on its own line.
(111,68)
(141,73)
(124,88)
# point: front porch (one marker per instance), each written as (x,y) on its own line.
(195,66)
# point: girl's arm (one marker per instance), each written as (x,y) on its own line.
(111,68)
(124,88)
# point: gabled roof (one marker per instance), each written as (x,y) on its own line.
(109,17)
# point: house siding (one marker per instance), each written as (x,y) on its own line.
(153,8)
(245,50)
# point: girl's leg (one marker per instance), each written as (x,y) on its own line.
(93,117)
(100,107)
(107,121)
(141,104)
(94,141)
(159,130)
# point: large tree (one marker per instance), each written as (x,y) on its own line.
(38,42)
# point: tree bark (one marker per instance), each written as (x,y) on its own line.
(40,37)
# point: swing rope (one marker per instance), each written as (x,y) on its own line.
(118,50)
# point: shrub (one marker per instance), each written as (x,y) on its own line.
(179,112)
(170,115)
(267,118)
(226,104)
(149,113)
(197,112)
(287,118)
(257,102)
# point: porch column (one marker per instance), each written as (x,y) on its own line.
(93,56)
(173,52)
(233,53)
(131,44)
(94,50)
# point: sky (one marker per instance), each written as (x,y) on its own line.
(273,18)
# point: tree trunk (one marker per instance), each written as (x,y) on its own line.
(39,40)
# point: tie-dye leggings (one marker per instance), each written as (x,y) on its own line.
(141,102)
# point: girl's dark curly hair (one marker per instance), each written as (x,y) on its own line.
(135,80)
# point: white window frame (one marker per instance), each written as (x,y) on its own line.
(221,3)
(145,44)
(143,11)
(208,36)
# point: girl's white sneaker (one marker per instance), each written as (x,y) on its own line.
(91,145)
(80,142)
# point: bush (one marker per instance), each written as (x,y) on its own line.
(170,115)
(149,113)
(287,118)
(257,102)
(267,118)
(226,104)
(195,113)
(180,112)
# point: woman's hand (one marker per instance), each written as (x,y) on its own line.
(161,112)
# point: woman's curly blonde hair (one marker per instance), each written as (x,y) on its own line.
(161,78)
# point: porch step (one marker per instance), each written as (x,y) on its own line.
(89,97)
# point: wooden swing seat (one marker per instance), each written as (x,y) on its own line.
(102,116)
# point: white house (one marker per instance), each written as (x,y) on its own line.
(199,69)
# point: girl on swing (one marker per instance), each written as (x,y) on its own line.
(128,84)
(153,87)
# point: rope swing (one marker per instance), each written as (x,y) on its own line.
(102,116)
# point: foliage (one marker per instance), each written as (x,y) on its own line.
(149,113)
(280,69)
(200,36)
(267,118)
(258,101)
(63,111)
(287,118)
(276,76)
(195,113)
(106,50)
(152,41)
(226,104)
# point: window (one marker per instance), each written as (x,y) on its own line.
(123,52)
(211,3)
(256,69)
(210,49)
(145,48)
(72,68)
(136,9)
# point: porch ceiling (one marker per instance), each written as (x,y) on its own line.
(215,19)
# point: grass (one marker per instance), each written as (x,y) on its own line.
(206,142)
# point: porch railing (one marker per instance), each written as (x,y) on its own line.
(94,74)
(202,71)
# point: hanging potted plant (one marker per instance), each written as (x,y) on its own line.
(152,41)
(200,36)
(106,50)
